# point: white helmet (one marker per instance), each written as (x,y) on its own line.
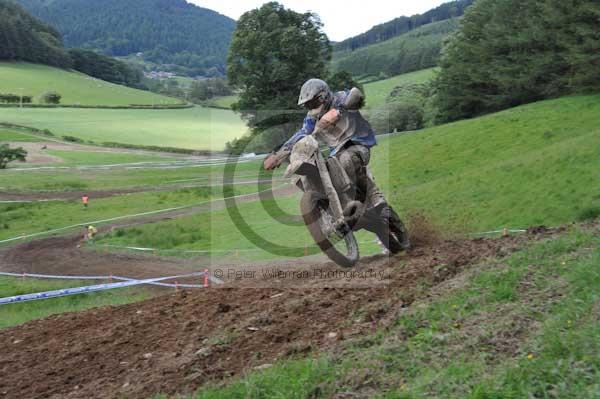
(314,89)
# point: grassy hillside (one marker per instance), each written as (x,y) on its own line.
(195,128)
(177,32)
(412,51)
(377,92)
(75,88)
(536,164)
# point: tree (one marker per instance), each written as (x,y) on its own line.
(8,154)
(511,52)
(273,52)
(343,80)
(51,97)
(397,116)
(23,37)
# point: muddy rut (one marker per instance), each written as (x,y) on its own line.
(177,342)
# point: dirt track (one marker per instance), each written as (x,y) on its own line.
(177,342)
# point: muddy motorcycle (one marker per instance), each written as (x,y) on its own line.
(330,208)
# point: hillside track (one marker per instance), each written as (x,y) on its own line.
(175,343)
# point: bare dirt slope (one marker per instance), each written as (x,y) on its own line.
(177,342)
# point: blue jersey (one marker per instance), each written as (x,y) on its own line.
(354,128)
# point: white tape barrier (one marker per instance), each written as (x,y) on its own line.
(500,231)
(97,222)
(184,251)
(145,165)
(91,288)
(119,278)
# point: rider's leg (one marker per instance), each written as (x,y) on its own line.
(354,159)
(375,197)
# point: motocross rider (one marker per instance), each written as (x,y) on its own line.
(339,123)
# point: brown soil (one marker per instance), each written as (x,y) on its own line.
(177,342)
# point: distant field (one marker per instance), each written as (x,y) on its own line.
(75,88)
(377,92)
(69,180)
(74,158)
(14,135)
(27,218)
(224,101)
(194,128)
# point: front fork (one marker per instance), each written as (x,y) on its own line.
(332,195)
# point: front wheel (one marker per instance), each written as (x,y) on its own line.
(343,250)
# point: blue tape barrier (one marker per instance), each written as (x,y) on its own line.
(92,288)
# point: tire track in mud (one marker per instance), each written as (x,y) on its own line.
(175,343)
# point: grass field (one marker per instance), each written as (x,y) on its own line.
(535,164)
(29,218)
(377,92)
(75,88)
(194,128)
(68,180)
(224,101)
(276,221)
(15,135)
(15,314)
(526,327)
(76,158)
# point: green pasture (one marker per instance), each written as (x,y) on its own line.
(28,218)
(76,158)
(530,165)
(19,313)
(193,128)
(75,88)
(377,92)
(15,135)
(224,101)
(119,178)
(231,233)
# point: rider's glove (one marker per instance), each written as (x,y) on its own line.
(271,162)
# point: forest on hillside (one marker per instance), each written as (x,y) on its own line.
(401,25)
(164,31)
(511,52)
(412,51)
(25,38)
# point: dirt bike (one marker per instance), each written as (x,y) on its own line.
(330,208)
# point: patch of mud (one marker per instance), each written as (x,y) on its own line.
(422,230)
(177,342)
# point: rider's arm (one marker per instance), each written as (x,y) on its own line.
(276,158)
(307,128)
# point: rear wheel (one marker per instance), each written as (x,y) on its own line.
(392,233)
(342,249)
